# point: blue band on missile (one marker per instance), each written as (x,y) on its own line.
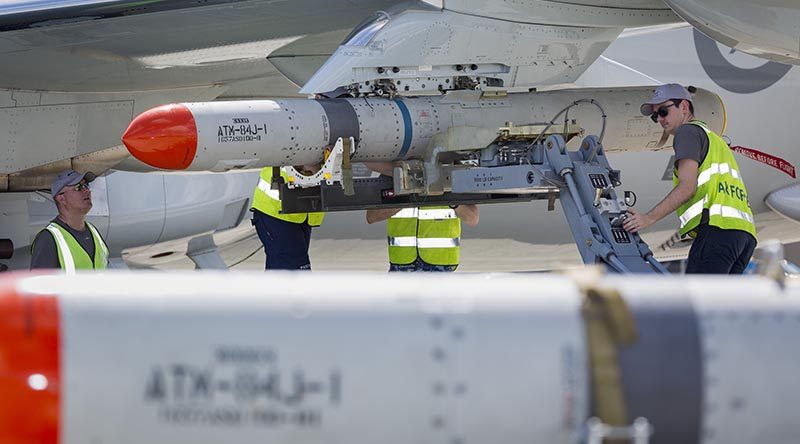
(407,129)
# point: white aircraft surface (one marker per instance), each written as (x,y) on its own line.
(75,74)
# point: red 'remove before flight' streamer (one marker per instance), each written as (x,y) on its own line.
(768,159)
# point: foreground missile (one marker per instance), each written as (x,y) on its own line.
(354,358)
(244,134)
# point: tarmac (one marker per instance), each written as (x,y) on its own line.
(477,255)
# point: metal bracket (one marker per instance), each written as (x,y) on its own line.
(203,252)
(768,259)
(378,193)
(331,171)
(593,209)
(637,433)
(509,164)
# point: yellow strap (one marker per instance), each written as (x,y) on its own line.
(347,168)
(276,177)
(609,324)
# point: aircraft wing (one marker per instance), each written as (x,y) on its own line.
(125,46)
(94,65)
(767,29)
(75,73)
(507,44)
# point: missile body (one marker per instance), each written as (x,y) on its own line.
(225,135)
(142,357)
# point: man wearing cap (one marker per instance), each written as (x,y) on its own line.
(709,195)
(70,242)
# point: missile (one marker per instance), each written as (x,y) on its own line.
(219,136)
(189,357)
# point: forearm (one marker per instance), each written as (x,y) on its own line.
(385,168)
(671,202)
(469,214)
(377,215)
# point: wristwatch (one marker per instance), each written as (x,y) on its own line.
(453,207)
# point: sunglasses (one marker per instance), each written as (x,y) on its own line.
(79,187)
(663,112)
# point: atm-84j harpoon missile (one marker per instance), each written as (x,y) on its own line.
(359,358)
(219,136)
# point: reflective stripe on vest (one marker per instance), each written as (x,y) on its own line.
(265,186)
(695,210)
(403,241)
(720,190)
(726,211)
(438,242)
(715,210)
(716,168)
(430,242)
(406,213)
(98,239)
(439,213)
(426,214)
(68,264)
(267,201)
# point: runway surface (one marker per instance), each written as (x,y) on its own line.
(477,255)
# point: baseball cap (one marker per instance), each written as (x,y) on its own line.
(664,93)
(69,178)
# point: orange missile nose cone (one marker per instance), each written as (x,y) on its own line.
(30,356)
(163,137)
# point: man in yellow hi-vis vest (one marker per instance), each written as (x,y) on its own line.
(425,238)
(709,196)
(286,237)
(69,242)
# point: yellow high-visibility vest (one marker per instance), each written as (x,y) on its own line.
(720,190)
(72,256)
(431,233)
(268,201)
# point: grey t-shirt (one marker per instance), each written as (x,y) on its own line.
(690,142)
(45,253)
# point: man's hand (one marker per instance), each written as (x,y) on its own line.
(636,222)
(687,185)
(308,170)
(468,213)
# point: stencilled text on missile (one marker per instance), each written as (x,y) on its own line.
(241,130)
(242,387)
